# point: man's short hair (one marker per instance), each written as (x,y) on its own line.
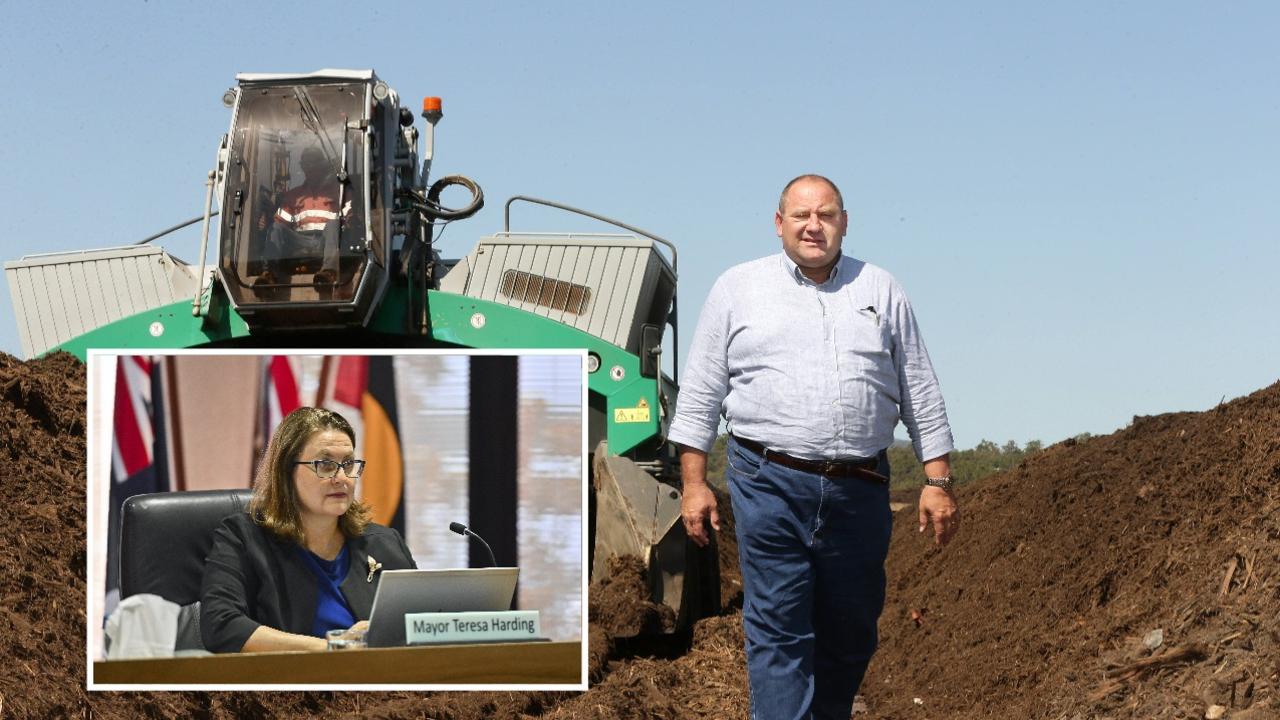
(782,199)
(313,157)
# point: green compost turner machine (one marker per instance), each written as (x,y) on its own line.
(324,229)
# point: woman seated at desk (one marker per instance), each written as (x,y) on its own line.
(305,559)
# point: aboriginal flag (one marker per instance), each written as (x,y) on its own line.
(362,389)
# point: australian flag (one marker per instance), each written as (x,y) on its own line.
(139,452)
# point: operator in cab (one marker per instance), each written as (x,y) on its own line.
(305,227)
(305,558)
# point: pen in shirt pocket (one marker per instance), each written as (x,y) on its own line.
(871,310)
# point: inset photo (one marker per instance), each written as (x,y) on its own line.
(290,520)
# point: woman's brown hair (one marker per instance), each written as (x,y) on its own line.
(275,497)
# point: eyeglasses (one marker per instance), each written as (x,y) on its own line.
(328,469)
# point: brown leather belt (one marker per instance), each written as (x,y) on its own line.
(865,469)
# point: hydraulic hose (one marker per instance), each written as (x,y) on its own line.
(431,207)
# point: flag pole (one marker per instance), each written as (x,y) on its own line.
(323,386)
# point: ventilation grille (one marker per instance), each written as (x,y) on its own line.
(547,292)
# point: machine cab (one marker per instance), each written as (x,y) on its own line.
(304,223)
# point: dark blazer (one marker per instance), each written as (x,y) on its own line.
(254,578)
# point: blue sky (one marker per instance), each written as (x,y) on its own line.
(1079,201)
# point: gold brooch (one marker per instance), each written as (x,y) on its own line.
(374,566)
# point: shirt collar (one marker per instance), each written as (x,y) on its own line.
(793,270)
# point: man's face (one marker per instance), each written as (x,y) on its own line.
(313,167)
(811,225)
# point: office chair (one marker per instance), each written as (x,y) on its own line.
(164,539)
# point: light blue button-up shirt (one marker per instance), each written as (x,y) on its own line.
(819,371)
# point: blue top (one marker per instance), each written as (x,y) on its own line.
(332,611)
(814,370)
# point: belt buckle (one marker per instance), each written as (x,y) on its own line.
(828,467)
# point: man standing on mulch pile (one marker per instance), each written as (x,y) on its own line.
(812,357)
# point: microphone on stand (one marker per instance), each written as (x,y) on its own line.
(464,530)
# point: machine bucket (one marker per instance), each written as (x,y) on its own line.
(635,514)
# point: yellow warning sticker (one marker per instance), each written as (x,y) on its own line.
(637,414)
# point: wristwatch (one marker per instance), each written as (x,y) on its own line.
(943,482)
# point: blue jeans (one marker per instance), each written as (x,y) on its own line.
(812,551)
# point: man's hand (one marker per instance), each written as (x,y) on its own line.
(938,508)
(697,503)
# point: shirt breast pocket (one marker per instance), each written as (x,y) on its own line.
(869,340)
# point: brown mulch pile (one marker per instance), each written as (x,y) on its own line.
(1045,607)
(619,606)
(1069,562)
(42,548)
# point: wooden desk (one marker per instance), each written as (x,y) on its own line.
(542,663)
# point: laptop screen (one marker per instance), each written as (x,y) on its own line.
(415,591)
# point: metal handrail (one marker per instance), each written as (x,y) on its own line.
(673,319)
(506,222)
(175,228)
